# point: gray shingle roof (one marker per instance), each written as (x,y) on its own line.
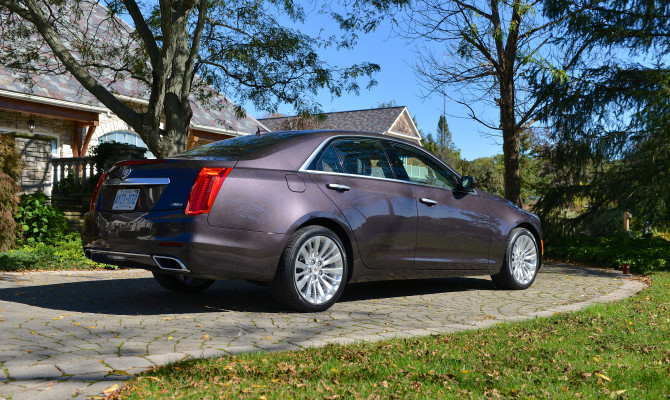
(218,113)
(376,120)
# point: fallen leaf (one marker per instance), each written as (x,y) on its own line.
(204,337)
(111,389)
(118,372)
(618,393)
(170,338)
(603,377)
(465,371)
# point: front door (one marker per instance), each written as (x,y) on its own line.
(454,228)
(355,174)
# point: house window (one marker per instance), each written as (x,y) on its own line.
(127,138)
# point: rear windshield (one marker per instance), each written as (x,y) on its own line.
(240,146)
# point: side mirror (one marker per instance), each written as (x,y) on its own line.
(468,183)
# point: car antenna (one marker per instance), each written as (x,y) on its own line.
(258,132)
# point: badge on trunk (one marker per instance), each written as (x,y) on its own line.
(125,172)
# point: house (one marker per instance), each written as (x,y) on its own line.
(392,121)
(55,121)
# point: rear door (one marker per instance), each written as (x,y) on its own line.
(454,228)
(356,175)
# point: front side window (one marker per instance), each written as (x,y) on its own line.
(420,168)
(364,157)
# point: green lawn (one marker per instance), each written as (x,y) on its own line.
(618,350)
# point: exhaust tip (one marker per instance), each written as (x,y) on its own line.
(170,263)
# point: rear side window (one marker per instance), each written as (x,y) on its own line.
(241,146)
(363,157)
(328,162)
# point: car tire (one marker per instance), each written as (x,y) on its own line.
(182,283)
(521,263)
(312,271)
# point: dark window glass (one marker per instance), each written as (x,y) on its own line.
(241,145)
(363,157)
(420,168)
(328,161)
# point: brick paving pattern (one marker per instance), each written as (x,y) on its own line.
(74,334)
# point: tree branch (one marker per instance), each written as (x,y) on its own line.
(143,30)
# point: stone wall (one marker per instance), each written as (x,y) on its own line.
(36,154)
(74,206)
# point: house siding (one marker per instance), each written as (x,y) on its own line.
(402,126)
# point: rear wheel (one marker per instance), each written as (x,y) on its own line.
(312,271)
(521,261)
(182,283)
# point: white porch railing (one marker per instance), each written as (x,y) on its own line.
(64,167)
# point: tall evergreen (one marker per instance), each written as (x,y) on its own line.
(609,111)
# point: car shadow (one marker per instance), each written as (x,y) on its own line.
(143,296)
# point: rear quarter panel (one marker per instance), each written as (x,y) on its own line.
(270,201)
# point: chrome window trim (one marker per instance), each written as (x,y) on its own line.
(137,182)
(329,140)
(309,171)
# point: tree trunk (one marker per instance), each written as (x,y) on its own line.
(511,135)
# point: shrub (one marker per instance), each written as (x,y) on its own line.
(64,253)
(10,172)
(39,221)
(644,255)
(68,185)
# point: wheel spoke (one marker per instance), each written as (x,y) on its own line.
(337,257)
(302,282)
(333,271)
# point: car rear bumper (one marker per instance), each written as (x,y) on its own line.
(173,242)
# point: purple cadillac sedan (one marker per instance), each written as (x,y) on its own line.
(307,212)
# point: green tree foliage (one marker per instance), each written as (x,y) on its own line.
(10,173)
(609,112)
(183,48)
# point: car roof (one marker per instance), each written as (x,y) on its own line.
(274,150)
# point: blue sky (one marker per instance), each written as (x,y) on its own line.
(396,81)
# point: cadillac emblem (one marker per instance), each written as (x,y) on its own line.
(125,172)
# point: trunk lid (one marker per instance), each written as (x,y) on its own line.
(155,184)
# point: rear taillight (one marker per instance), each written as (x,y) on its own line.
(205,189)
(91,207)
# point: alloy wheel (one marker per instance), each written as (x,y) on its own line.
(318,269)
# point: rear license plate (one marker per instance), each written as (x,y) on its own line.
(126,199)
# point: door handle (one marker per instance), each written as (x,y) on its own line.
(338,187)
(428,202)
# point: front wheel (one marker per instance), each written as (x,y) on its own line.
(521,261)
(312,271)
(182,283)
